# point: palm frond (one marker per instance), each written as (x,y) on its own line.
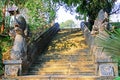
(111,43)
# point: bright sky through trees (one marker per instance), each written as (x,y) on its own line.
(63,16)
(115,17)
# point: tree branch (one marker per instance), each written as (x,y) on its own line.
(115,11)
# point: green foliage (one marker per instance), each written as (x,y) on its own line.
(4,44)
(111,44)
(118,78)
(1,64)
(40,13)
(116,24)
(19,3)
(67,24)
(88,8)
(1,11)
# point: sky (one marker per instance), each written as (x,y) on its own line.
(63,16)
(116,17)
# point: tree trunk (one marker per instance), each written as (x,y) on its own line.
(91,23)
(3,21)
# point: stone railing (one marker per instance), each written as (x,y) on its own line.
(105,66)
(42,41)
(38,45)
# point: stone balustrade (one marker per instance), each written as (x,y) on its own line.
(13,67)
(105,66)
(19,67)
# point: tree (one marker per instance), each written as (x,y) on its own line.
(67,24)
(40,13)
(88,7)
(2,15)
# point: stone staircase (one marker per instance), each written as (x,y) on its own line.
(56,64)
(66,58)
(67,62)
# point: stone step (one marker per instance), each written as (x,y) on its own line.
(63,61)
(58,72)
(86,64)
(63,66)
(55,67)
(81,53)
(48,65)
(83,73)
(61,77)
(66,72)
(49,68)
(57,54)
(62,71)
(68,59)
(64,56)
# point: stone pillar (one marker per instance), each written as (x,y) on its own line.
(105,65)
(12,67)
(107,69)
(18,53)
